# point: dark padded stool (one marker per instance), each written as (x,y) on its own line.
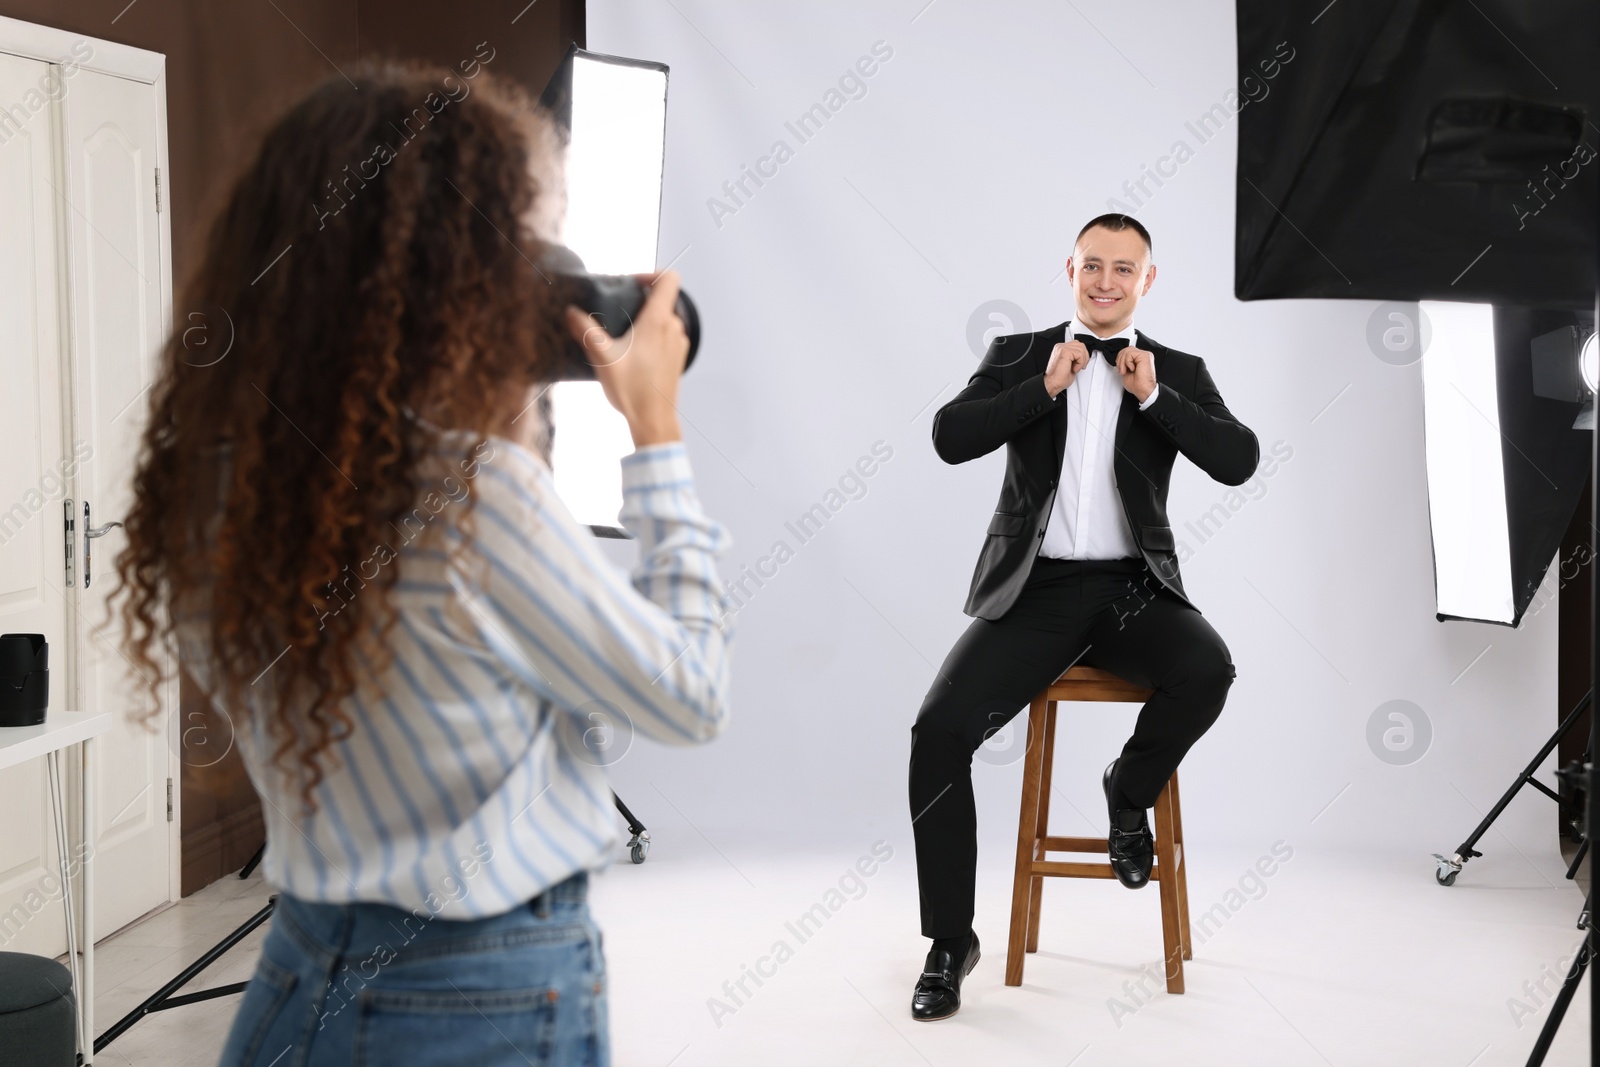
(38,1016)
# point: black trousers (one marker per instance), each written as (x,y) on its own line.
(1111,614)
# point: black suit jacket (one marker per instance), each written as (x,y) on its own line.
(1005,403)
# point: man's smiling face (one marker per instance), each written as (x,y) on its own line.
(1109,270)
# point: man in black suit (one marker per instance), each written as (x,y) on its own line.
(1078,566)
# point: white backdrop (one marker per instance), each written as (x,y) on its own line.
(838,297)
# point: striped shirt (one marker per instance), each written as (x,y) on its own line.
(524,665)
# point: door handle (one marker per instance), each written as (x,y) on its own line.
(90,532)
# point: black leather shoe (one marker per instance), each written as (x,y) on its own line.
(938,994)
(1130,843)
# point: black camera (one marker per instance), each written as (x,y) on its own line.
(613,299)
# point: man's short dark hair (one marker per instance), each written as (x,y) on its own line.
(1118,222)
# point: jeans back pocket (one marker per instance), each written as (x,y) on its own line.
(429,1028)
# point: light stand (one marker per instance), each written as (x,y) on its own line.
(1591,795)
(1558,1007)
(1592,799)
(1450,866)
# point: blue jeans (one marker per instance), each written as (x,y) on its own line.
(369,985)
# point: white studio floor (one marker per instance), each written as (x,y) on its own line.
(1331,961)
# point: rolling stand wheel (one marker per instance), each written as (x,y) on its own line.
(639,843)
(1448,868)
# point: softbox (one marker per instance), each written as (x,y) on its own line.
(612,113)
(1420,150)
(1507,457)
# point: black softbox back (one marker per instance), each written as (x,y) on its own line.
(1421,150)
(1545,460)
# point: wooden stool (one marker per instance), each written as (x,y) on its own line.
(1033,840)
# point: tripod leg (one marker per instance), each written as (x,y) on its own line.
(1449,868)
(634,825)
(255,861)
(1577,861)
(158,1000)
(1558,1007)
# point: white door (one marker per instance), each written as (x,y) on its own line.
(117,321)
(35,464)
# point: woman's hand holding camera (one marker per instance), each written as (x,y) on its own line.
(640,370)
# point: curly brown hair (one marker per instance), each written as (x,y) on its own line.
(367,312)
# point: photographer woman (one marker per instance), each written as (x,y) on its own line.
(346,532)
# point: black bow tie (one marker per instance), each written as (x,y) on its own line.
(1108,346)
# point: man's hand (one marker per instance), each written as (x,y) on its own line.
(1066,360)
(1138,370)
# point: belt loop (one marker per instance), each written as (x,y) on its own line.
(541,905)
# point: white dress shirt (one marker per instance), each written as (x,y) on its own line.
(1086,519)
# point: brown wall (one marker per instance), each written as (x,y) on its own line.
(231,66)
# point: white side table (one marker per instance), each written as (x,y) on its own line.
(18,744)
